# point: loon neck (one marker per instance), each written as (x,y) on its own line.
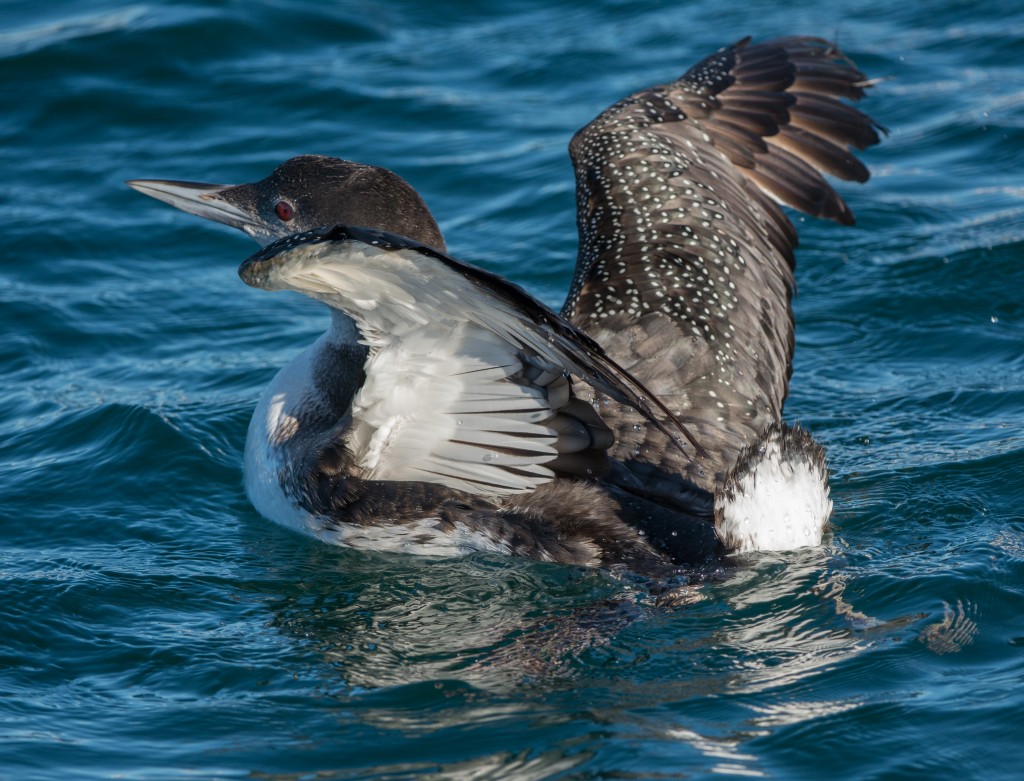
(343,329)
(313,393)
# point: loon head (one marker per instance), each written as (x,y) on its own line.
(304,193)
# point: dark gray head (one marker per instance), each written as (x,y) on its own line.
(303,193)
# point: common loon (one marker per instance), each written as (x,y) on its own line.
(446,411)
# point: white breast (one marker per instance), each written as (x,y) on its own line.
(274,424)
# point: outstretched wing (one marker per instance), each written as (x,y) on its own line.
(685,265)
(466,382)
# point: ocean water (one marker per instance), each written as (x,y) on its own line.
(154,626)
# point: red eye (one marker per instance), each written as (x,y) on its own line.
(284,210)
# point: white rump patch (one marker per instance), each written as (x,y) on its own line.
(777,498)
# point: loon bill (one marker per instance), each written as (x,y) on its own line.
(446,411)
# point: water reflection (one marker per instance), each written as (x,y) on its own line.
(491,622)
(956,630)
(510,647)
(724,752)
(525,765)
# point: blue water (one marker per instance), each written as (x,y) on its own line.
(153,626)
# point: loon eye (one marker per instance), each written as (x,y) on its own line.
(284,210)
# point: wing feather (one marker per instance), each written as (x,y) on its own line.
(683,243)
(466,382)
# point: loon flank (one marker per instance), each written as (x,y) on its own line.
(446,411)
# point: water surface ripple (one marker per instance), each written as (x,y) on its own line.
(153,626)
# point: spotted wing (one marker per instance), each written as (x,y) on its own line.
(685,265)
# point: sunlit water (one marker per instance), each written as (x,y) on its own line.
(153,626)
